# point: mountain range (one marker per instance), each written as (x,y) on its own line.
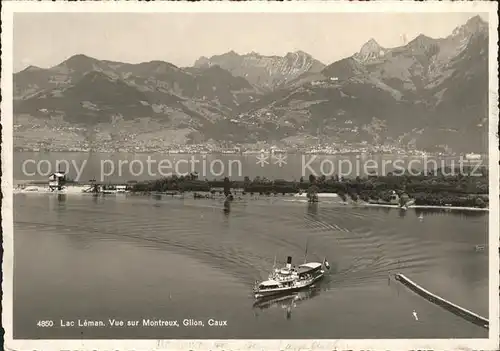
(428,93)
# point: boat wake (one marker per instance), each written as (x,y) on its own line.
(363,245)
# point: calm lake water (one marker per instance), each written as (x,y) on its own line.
(119,167)
(134,258)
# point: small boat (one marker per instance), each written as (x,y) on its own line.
(472,156)
(480,248)
(289,279)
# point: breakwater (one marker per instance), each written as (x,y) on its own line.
(459,311)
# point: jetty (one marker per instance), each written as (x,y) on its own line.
(450,306)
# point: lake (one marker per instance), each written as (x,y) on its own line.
(137,257)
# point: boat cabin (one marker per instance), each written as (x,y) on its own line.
(285,271)
(269,284)
(309,269)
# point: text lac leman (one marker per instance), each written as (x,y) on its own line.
(82,323)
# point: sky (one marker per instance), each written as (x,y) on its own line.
(47,39)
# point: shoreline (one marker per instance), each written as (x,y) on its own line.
(78,190)
(461,192)
(253,152)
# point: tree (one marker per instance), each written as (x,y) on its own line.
(227,186)
(193,175)
(312,193)
(246,181)
(403,199)
(312,179)
(342,196)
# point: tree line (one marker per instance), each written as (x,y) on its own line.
(437,190)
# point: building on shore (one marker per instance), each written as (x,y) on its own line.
(57,181)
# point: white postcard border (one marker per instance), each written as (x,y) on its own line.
(9,8)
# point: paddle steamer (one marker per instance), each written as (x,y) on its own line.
(289,279)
